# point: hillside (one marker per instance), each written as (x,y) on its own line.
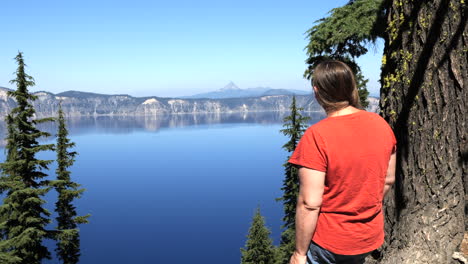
(77,103)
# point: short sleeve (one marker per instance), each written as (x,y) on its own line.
(310,152)
(388,131)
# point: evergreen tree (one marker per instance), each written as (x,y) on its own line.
(258,248)
(286,247)
(344,35)
(67,236)
(11,155)
(294,127)
(23,218)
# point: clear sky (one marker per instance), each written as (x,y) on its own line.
(163,48)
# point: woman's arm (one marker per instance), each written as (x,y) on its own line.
(390,177)
(312,184)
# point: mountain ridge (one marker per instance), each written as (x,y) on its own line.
(76,103)
(231,90)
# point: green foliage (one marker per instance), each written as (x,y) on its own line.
(345,35)
(287,246)
(22,216)
(363,92)
(347,29)
(294,126)
(258,248)
(67,235)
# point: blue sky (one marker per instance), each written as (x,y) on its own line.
(163,48)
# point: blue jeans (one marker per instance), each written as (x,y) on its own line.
(319,255)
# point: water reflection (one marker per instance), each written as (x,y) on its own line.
(154,123)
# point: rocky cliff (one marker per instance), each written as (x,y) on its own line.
(90,104)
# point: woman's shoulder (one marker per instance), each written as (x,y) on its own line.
(336,124)
(376,117)
(372,114)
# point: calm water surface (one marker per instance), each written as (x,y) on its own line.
(175,189)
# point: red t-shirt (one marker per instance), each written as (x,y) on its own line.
(354,151)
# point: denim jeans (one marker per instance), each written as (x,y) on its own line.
(319,255)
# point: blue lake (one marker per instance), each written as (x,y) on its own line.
(175,189)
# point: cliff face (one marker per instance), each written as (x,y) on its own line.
(89,104)
(76,104)
(6,103)
(152,113)
(373,104)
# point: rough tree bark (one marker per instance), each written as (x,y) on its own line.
(423,97)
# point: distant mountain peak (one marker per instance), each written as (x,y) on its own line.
(231,90)
(231,86)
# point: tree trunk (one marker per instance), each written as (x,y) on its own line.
(423,97)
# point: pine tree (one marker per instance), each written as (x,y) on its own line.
(67,235)
(294,127)
(23,218)
(258,248)
(5,179)
(345,35)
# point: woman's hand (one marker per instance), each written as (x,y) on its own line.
(297,258)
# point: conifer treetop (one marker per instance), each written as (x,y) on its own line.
(22,82)
(294,126)
(258,247)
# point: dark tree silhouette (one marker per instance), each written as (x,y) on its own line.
(23,218)
(294,127)
(67,235)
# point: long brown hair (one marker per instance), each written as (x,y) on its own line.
(336,86)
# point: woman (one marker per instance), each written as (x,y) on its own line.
(347,165)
